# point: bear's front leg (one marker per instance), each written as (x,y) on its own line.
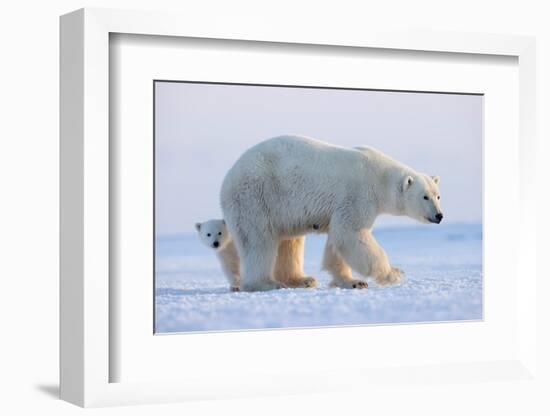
(339,270)
(232,277)
(229,259)
(392,278)
(363,253)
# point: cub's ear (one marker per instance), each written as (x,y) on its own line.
(407,182)
(436,179)
(198,226)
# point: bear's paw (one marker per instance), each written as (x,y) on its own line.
(306,282)
(349,284)
(392,278)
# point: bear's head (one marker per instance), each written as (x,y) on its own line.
(421,199)
(213,233)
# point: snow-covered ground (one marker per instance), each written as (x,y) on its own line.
(443,266)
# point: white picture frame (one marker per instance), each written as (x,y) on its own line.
(86,330)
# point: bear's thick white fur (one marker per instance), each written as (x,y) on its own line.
(283,188)
(214,234)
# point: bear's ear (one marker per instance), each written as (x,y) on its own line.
(223,222)
(436,179)
(407,182)
(198,226)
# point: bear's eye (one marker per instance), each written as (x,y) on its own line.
(220,233)
(426,197)
(208,235)
(438,197)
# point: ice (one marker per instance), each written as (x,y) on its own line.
(443,282)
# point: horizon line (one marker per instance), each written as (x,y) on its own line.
(380,228)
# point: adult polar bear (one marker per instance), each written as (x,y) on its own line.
(285,187)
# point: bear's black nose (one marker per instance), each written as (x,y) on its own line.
(439,217)
(215,244)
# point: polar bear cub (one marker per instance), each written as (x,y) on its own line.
(214,234)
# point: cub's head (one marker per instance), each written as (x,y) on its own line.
(421,198)
(213,233)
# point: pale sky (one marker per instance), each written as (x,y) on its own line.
(202,129)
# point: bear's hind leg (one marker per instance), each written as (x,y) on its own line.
(289,267)
(257,263)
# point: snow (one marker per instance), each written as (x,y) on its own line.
(444,282)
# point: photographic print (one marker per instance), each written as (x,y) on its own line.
(297,207)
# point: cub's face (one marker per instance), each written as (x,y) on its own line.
(421,198)
(213,233)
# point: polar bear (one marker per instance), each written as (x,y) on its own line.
(279,188)
(214,234)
